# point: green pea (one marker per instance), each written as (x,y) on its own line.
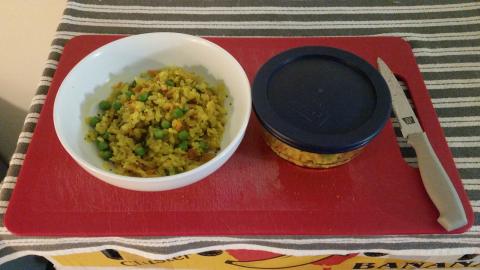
(132,84)
(106,154)
(170,82)
(203,145)
(102,145)
(140,151)
(177,113)
(159,133)
(106,135)
(116,105)
(183,145)
(128,93)
(104,105)
(183,135)
(165,124)
(94,121)
(171,171)
(143,97)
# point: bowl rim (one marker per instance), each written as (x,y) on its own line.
(188,174)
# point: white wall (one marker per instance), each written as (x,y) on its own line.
(27,28)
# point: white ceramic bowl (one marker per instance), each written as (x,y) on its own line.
(91,79)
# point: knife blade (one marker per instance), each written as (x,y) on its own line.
(436,181)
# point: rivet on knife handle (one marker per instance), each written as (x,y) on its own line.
(438,184)
(435,179)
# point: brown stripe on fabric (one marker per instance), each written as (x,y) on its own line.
(6,194)
(19,150)
(29,127)
(37,108)
(42,90)
(54,56)
(60,42)
(22,148)
(13,170)
(48,72)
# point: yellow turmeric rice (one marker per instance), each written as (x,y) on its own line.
(164,122)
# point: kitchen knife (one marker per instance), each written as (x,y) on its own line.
(435,179)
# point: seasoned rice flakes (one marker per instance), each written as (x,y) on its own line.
(172,95)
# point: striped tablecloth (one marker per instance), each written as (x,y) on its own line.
(445,36)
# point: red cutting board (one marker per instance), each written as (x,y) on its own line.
(255,192)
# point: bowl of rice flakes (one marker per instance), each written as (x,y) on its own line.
(154,111)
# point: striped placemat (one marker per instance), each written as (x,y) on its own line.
(444,35)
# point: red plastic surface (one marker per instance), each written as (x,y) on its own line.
(255,192)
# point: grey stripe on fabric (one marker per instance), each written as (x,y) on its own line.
(61,41)
(37,108)
(30,127)
(474,194)
(459,111)
(232,16)
(471,173)
(306,28)
(281,3)
(458,132)
(455,92)
(205,31)
(208,8)
(324,245)
(449,59)
(465,152)
(435,75)
(418,40)
(420,35)
(441,44)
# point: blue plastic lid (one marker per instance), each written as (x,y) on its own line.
(321,99)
